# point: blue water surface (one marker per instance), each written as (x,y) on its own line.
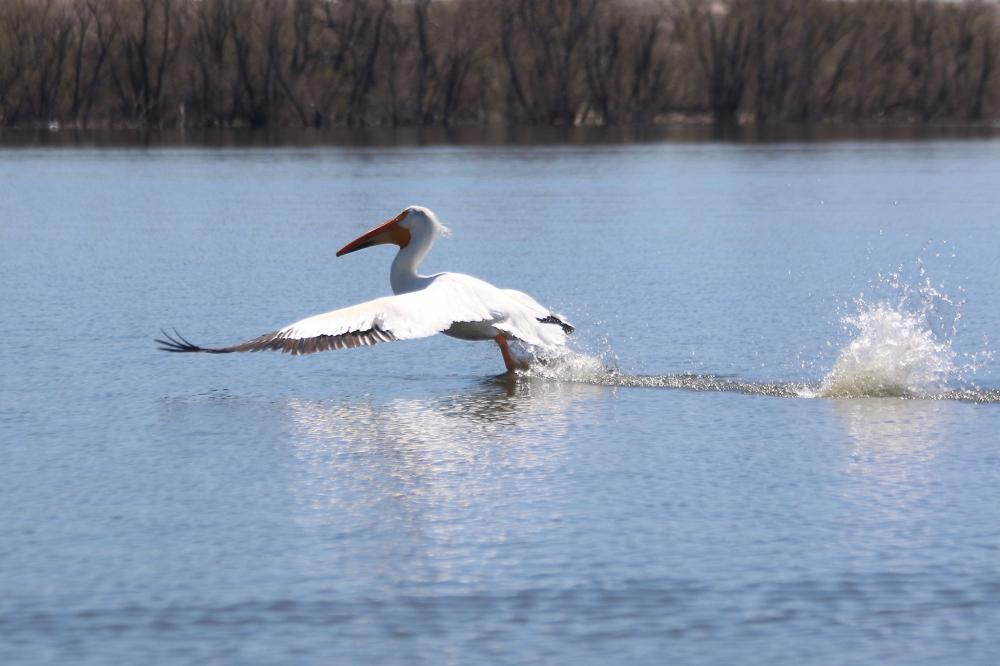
(404,504)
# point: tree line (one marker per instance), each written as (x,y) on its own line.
(322,63)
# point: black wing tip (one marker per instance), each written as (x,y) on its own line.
(552,319)
(177,344)
(277,341)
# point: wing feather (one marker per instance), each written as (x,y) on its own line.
(407,316)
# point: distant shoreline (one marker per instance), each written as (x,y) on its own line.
(490,136)
(459,63)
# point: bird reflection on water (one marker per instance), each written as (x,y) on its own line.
(433,481)
(503,408)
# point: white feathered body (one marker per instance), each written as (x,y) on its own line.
(457,305)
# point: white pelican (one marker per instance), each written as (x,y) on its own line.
(458,305)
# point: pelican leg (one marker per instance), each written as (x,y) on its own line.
(508,358)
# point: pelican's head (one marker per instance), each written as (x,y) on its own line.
(414,223)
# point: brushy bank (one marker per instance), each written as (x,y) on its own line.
(322,63)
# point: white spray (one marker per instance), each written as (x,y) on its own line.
(902,344)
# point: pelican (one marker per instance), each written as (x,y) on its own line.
(457,305)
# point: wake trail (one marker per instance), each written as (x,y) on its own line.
(901,347)
(570,370)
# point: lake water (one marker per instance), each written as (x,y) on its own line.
(778,440)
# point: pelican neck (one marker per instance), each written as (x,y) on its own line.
(403,276)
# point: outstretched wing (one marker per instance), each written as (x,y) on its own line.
(416,314)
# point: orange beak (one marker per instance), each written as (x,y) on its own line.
(390,232)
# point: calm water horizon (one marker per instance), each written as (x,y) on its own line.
(775,439)
(497,136)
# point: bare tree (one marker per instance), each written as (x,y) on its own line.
(624,66)
(13,60)
(971,38)
(149,47)
(721,39)
(104,32)
(49,28)
(541,42)
(212,22)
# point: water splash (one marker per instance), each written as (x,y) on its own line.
(572,366)
(901,347)
(895,354)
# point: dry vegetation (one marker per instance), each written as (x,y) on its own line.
(208,63)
